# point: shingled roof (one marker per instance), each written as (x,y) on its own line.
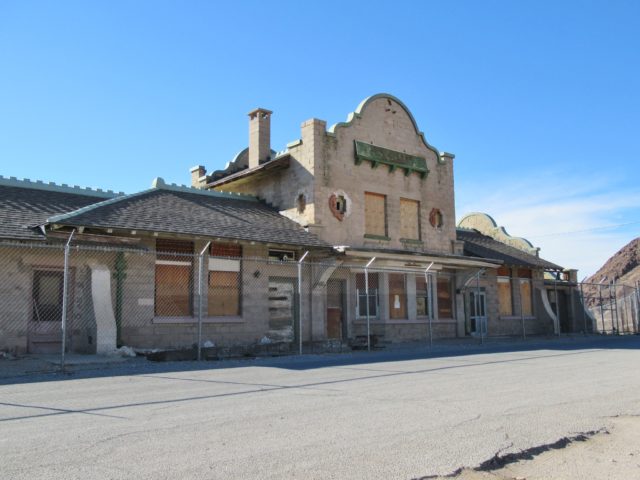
(478,245)
(181,210)
(25,204)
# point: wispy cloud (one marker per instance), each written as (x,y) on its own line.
(562,213)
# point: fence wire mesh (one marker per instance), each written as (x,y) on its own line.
(216,300)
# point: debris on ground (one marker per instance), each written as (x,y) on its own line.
(125,351)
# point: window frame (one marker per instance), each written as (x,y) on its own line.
(173,253)
(374,293)
(367,226)
(417,219)
(225,264)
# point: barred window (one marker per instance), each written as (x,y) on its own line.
(361,295)
(173,278)
(224,295)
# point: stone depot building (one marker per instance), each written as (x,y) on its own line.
(350,229)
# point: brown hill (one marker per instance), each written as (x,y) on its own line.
(623,267)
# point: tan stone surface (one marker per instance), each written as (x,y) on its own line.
(612,454)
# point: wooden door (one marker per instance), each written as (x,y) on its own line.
(335,309)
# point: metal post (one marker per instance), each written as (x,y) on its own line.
(65,290)
(637,297)
(200,283)
(300,300)
(555,290)
(601,307)
(366,292)
(482,322)
(613,306)
(427,285)
(524,332)
(584,308)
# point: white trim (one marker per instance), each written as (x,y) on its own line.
(224,265)
(177,263)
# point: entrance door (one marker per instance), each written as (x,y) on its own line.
(336,327)
(45,327)
(477,310)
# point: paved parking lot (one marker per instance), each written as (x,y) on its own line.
(401,414)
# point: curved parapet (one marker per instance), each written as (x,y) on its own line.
(486,225)
(362,107)
(239,162)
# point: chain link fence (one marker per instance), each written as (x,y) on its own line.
(186,300)
(613,308)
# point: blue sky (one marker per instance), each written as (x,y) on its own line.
(538,100)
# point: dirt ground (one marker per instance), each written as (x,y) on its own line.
(612,453)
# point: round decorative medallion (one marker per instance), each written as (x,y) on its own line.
(435,218)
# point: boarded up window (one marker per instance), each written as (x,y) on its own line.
(223,297)
(409,219)
(445,303)
(423,307)
(361,292)
(525,297)
(226,250)
(173,279)
(524,272)
(504,296)
(397,296)
(504,272)
(174,250)
(224,294)
(375,214)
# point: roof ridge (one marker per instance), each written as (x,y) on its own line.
(53,187)
(157,185)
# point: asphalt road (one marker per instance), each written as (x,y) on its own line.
(385,415)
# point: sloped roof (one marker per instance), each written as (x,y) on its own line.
(24,205)
(479,245)
(187,211)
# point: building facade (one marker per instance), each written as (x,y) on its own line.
(347,234)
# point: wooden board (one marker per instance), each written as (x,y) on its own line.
(375,221)
(223,297)
(504,297)
(173,290)
(525,298)
(409,219)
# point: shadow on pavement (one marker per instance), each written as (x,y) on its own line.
(33,369)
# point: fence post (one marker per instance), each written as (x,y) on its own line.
(65,292)
(366,292)
(555,292)
(601,307)
(300,300)
(637,298)
(613,304)
(524,331)
(200,284)
(427,285)
(482,318)
(584,308)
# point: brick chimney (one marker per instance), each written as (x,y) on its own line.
(197,172)
(259,136)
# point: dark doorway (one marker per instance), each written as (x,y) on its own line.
(336,293)
(45,327)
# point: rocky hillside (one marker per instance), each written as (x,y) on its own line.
(623,267)
(615,309)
